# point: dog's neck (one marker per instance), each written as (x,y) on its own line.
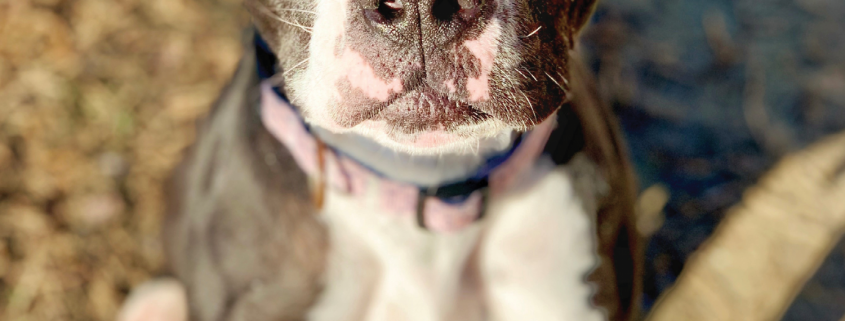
(422,170)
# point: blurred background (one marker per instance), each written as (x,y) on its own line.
(711,93)
(99,97)
(97,100)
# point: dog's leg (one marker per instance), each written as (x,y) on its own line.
(158,300)
(539,249)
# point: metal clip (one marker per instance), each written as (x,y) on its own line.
(433,192)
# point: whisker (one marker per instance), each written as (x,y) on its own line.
(295,24)
(530,73)
(530,105)
(533,32)
(555,81)
(565,81)
(299,10)
(515,87)
(295,66)
(270,13)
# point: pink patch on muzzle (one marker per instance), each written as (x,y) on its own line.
(361,76)
(484,48)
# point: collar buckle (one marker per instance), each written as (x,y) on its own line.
(451,192)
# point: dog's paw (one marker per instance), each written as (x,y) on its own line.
(156,300)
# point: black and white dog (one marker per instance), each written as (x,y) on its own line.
(403,160)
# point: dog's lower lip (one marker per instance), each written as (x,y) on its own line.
(425,110)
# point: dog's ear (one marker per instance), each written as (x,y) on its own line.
(577,16)
(157,300)
(580,12)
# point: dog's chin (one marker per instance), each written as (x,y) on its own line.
(464,139)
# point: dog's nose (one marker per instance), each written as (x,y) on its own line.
(432,38)
(433,22)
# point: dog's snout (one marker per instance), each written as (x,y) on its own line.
(447,46)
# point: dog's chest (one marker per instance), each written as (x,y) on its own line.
(526,260)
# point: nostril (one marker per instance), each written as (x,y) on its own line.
(392,4)
(468,4)
(445,10)
(385,11)
(390,9)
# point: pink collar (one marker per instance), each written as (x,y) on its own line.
(348,176)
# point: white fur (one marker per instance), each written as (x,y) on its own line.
(323,65)
(527,260)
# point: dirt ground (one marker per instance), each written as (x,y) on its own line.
(99,97)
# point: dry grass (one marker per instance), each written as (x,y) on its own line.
(97,99)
